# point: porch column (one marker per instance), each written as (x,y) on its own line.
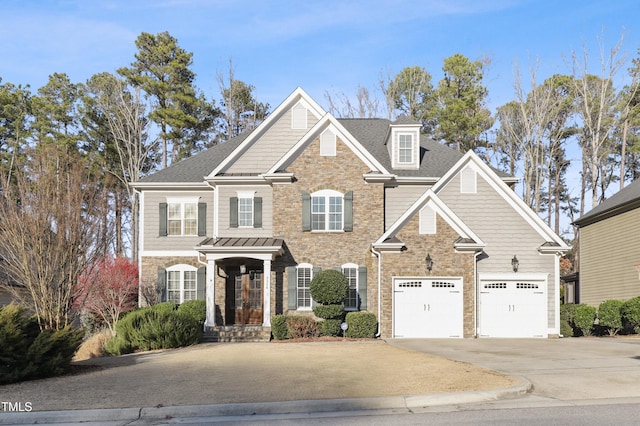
(266,320)
(210,294)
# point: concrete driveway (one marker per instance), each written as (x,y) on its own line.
(567,369)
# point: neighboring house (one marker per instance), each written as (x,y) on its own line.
(426,236)
(609,249)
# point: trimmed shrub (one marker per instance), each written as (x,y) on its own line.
(610,316)
(300,326)
(279,327)
(196,308)
(585,316)
(567,316)
(329,287)
(154,328)
(333,312)
(27,353)
(330,327)
(361,324)
(631,314)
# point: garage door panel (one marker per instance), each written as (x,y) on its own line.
(428,308)
(513,308)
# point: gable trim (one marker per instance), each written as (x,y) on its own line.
(471,159)
(429,198)
(328,122)
(294,98)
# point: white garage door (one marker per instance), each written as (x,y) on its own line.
(427,307)
(513,307)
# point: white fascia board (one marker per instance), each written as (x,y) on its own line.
(432,200)
(168,185)
(291,100)
(242,180)
(329,122)
(276,178)
(173,253)
(509,195)
(378,178)
(553,249)
(417,180)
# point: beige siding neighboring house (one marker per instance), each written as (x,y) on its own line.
(609,249)
(425,234)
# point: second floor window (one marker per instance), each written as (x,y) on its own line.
(326,211)
(245,211)
(405,149)
(182,218)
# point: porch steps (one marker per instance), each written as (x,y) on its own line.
(236,333)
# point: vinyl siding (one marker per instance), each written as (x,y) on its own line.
(226,192)
(151,239)
(398,199)
(504,231)
(609,250)
(271,146)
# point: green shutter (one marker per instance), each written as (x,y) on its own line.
(163,219)
(362,287)
(257,212)
(202,219)
(348,211)
(292,288)
(306,211)
(233,212)
(162,284)
(201,282)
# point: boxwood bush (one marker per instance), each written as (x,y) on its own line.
(279,327)
(631,314)
(610,316)
(329,287)
(584,319)
(28,353)
(361,324)
(567,315)
(335,312)
(330,327)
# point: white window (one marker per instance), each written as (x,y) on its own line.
(181,283)
(327,211)
(350,270)
(405,148)
(299,117)
(182,218)
(245,211)
(304,273)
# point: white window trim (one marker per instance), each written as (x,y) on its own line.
(182,201)
(356,267)
(182,268)
(310,267)
(326,194)
(410,148)
(245,195)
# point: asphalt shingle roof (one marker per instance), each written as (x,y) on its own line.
(622,201)
(436,159)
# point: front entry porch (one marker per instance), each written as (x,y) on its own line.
(238,284)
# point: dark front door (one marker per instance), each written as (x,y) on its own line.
(248,298)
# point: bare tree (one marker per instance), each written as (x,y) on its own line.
(597,107)
(51,229)
(365,106)
(123,111)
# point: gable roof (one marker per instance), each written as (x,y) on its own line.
(468,239)
(552,240)
(628,198)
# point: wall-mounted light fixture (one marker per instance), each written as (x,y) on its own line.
(515,263)
(243,269)
(429,262)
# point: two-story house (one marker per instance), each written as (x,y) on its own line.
(434,242)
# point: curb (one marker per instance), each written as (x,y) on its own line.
(406,403)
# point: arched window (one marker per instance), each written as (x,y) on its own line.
(181,283)
(327,210)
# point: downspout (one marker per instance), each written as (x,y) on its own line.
(140,237)
(379,256)
(476,280)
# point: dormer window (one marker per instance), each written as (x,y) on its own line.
(405,148)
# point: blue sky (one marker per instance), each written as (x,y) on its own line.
(319,45)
